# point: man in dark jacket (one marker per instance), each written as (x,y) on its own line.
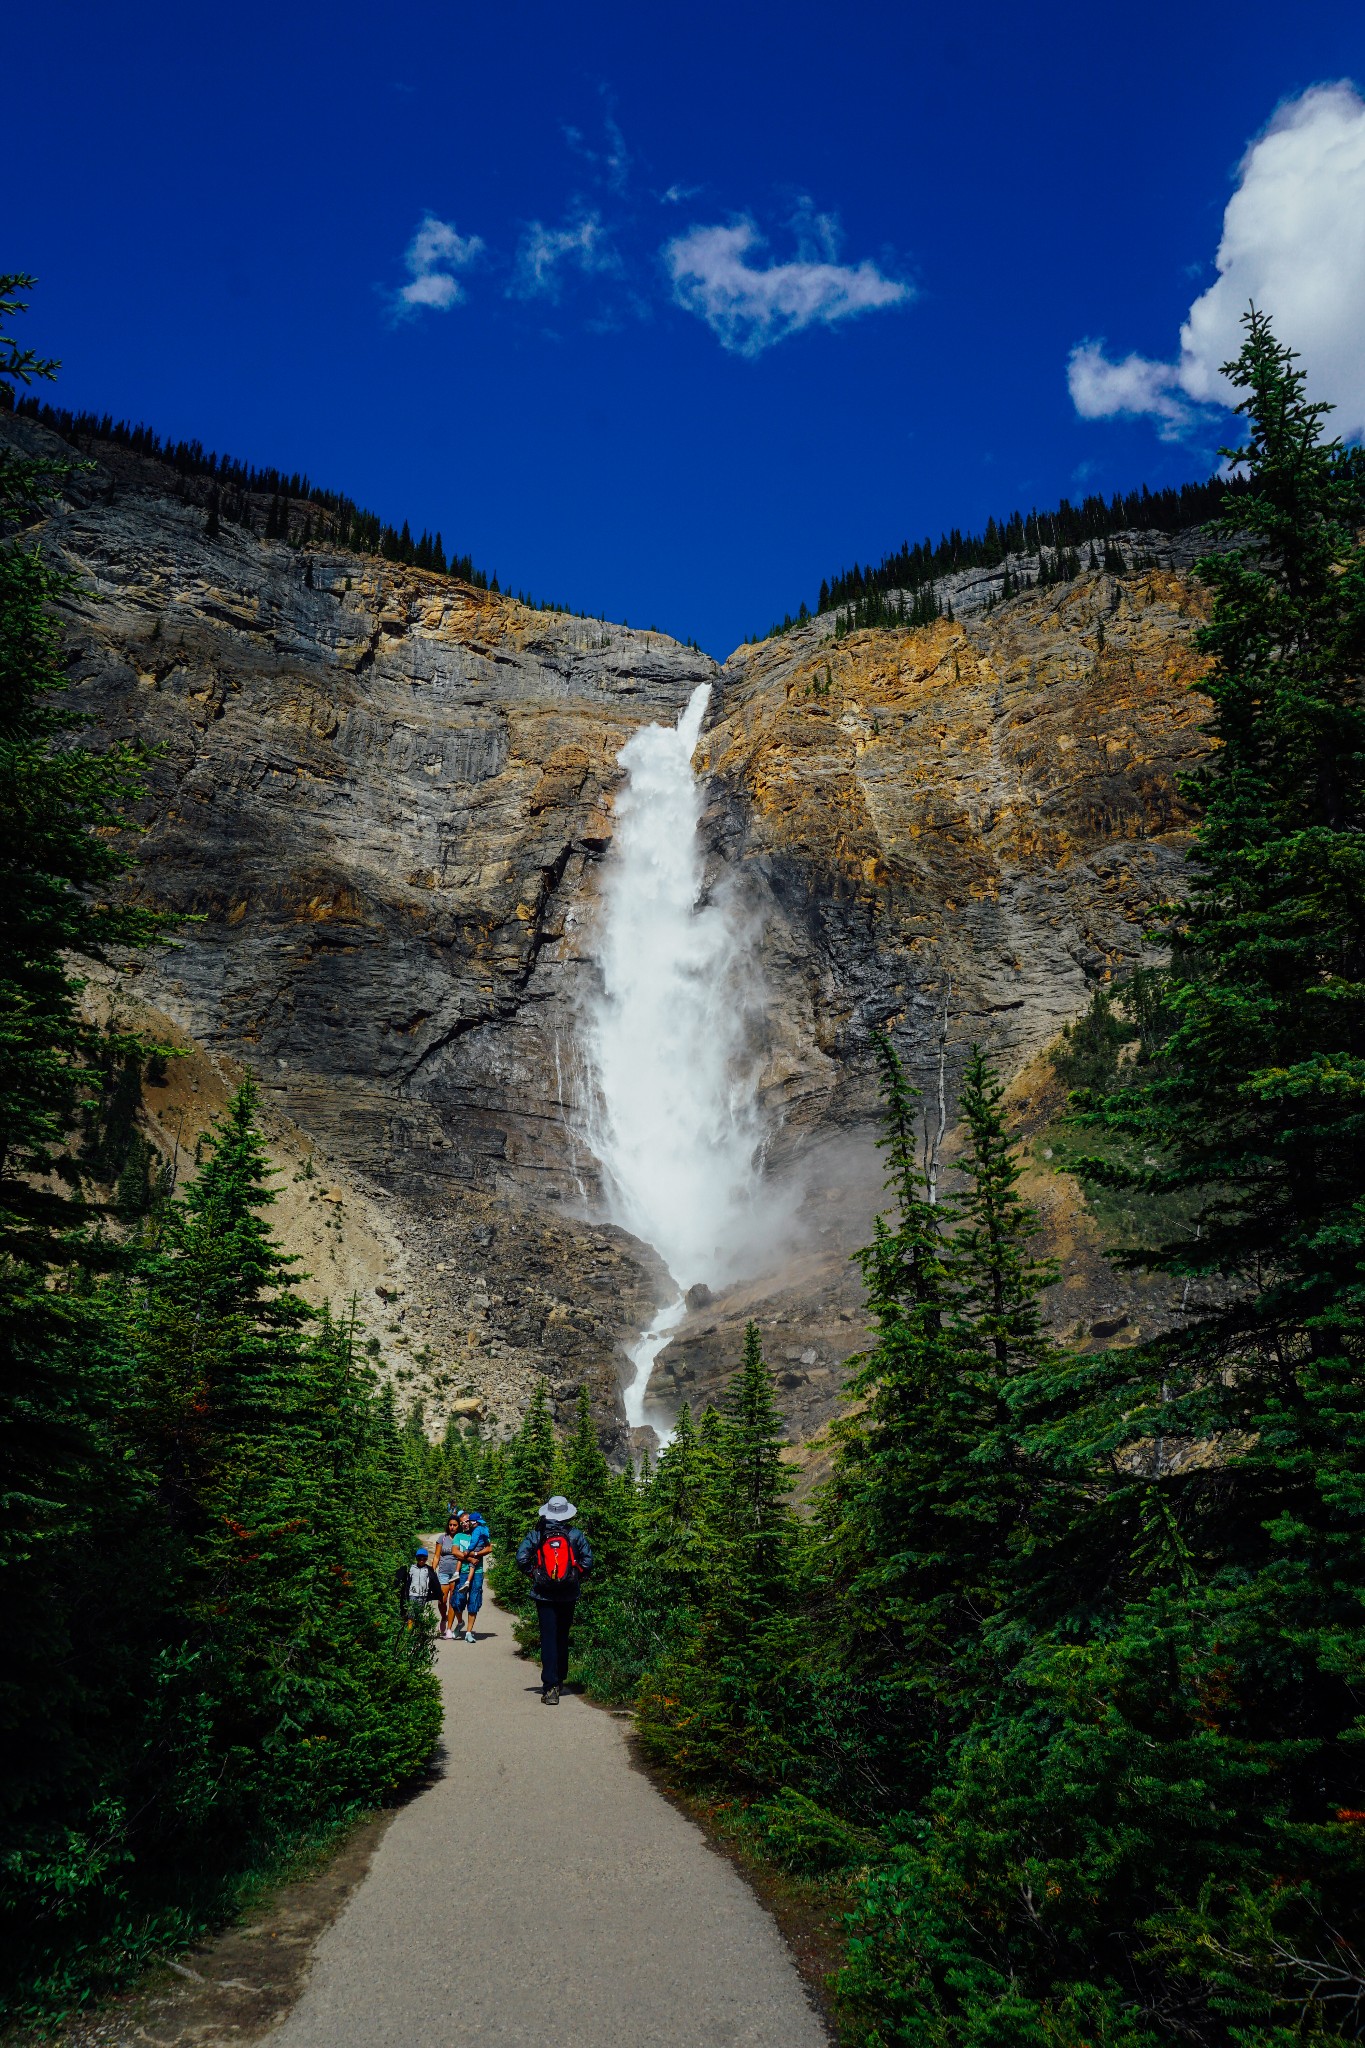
(558,1558)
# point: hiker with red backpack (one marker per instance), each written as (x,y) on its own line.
(558,1558)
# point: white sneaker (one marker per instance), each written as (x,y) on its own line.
(469,1635)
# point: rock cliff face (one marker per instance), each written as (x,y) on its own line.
(992,803)
(977,818)
(383,800)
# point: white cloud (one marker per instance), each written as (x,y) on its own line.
(1101,389)
(749,306)
(433,255)
(1293,243)
(583,243)
(676,194)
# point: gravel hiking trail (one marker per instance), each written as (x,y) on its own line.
(542,1892)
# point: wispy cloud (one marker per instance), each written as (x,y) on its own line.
(433,256)
(611,161)
(749,306)
(583,243)
(1293,243)
(676,194)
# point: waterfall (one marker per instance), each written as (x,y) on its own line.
(673,1119)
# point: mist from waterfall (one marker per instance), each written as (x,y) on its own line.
(673,1118)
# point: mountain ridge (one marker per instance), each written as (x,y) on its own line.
(1036,546)
(387,795)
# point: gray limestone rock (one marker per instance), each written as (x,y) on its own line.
(380,802)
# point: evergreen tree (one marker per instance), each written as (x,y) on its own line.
(246,1681)
(641,1608)
(918,1522)
(528,1481)
(1259,1096)
(708,1705)
(677,1518)
(999,1282)
(750,1513)
(605,1501)
(65,817)
(1190,1639)
(586,1471)
(228,1342)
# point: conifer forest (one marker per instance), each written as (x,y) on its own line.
(1050,1695)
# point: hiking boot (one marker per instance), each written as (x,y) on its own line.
(550,1696)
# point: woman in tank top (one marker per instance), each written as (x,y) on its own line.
(448,1559)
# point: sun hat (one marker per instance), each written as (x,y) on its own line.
(558,1509)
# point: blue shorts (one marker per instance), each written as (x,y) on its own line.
(469,1594)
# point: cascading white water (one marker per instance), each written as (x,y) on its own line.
(673,1120)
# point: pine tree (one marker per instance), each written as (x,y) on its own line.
(1190,1638)
(677,1518)
(528,1480)
(232,1285)
(707,1705)
(285,1478)
(605,1501)
(586,1470)
(905,1493)
(999,1282)
(65,818)
(750,1514)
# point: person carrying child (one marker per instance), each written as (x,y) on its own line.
(467,1598)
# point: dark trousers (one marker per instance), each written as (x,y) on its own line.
(556,1619)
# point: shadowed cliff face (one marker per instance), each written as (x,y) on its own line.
(385,798)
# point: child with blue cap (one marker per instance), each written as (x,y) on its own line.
(416,1584)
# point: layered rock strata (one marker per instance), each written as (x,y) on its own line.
(973,819)
(381,801)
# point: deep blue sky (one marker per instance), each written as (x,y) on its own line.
(218,201)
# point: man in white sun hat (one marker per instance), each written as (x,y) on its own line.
(558,1558)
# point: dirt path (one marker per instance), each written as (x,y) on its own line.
(543,1891)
